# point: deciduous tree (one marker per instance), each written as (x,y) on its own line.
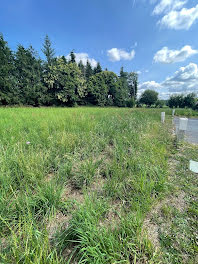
(149,97)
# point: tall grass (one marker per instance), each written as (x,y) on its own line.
(186,112)
(101,168)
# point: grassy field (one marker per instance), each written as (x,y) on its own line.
(186,112)
(86,185)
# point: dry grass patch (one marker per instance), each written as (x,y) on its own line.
(49,177)
(70,193)
(113,216)
(162,213)
(60,220)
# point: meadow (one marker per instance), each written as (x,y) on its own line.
(77,185)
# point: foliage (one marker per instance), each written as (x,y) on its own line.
(186,112)
(25,79)
(88,71)
(8,95)
(28,73)
(97,69)
(160,103)
(97,90)
(131,102)
(73,57)
(182,101)
(82,68)
(149,97)
(48,51)
(67,82)
(132,79)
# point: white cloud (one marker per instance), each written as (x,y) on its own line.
(182,19)
(115,54)
(142,71)
(166,55)
(175,15)
(83,57)
(184,80)
(185,74)
(152,85)
(167,5)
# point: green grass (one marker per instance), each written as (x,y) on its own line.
(179,235)
(80,191)
(186,112)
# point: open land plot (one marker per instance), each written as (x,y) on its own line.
(93,185)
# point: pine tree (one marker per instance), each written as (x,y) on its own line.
(25,79)
(64,59)
(123,92)
(29,77)
(88,71)
(73,57)
(81,67)
(8,91)
(97,69)
(48,51)
(48,77)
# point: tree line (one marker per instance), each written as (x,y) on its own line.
(26,79)
(183,101)
(150,98)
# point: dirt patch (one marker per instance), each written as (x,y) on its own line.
(173,163)
(3,243)
(176,201)
(71,193)
(69,254)
(109,152)
(97,185)
(49,177)
(113,216)
(60,220)
(151,227)
(152,231)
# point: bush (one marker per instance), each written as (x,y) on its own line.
(131,102)
(159,103)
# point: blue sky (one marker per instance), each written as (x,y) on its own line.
(156,38)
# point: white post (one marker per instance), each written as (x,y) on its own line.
(183,123)
(194,166)
(173,112)
(162,117)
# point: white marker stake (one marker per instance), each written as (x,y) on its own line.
(194,166)
(162,117)
(183,123)
(173,112)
